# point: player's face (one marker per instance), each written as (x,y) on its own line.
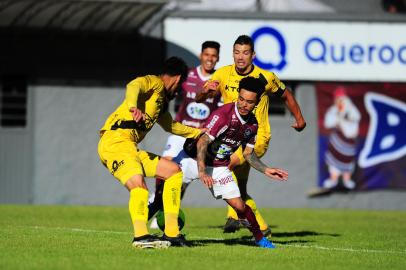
(246,101)
(243,56)
(208,59)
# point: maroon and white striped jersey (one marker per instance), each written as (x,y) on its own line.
(190,112)
(228,130)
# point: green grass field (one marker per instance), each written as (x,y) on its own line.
(70,237)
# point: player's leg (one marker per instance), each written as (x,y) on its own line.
(120,156)
(173,146)
(172,174)
(226,188)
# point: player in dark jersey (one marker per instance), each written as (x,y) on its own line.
(229,127)
(190,113)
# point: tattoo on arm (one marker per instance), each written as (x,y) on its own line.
(201,152)
(255,162)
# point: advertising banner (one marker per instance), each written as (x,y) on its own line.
(362,135)
(304,50)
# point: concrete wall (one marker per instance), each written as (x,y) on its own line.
(67,169)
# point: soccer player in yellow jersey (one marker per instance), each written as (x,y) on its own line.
(145,103)
(226,80)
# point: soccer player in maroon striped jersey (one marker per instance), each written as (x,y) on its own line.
(230,126)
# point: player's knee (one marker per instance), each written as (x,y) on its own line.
(136,181)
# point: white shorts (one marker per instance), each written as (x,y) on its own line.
(224,187)
(173,146)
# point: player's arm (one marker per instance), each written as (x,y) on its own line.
(256,163)
(293,106)
(133,90)
(169,125)
(276,87)
(202,144)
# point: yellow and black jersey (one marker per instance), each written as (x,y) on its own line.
(229,80)
(148,95)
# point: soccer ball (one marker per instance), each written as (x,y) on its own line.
(160,219)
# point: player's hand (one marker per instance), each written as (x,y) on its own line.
(137,114)
(206,179)
(277,174)
(210,85)
(203,130)
(299,125)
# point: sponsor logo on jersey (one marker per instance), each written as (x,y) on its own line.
(386,140)
(198,111)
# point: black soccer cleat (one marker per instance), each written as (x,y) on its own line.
(150,241)
(231,226)
(177,241)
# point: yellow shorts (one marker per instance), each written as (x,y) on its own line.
(122,157)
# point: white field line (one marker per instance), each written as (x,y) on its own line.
(221,239)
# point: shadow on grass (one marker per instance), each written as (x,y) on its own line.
(302,234)
(244,241)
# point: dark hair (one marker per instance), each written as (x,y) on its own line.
(174,66)
(245,40)
(252,84)
(211,44)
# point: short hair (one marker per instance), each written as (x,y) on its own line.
(174,66)
(245,40)
(255,85)
(211,44)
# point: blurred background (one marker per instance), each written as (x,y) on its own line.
(64,66)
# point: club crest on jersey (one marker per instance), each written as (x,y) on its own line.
(386,140)
(247,133)
(198,111)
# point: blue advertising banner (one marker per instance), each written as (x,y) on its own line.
(362,135)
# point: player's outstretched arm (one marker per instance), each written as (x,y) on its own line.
(256,163)
(294,108)
(202,144)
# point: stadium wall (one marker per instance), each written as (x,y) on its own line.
(65,167)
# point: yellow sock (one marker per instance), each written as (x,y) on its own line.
(262,224)
(171,202)
(138,207)
(231,213)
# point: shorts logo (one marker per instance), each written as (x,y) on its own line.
(224,181)
(116,165)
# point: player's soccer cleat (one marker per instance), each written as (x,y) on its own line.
(267,232)
(177,241)
(231,225)
(150,241)
(265,243)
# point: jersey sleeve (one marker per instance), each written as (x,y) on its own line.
(274,84)
(169,125)
(216,124)
(251,141)
(138,86)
